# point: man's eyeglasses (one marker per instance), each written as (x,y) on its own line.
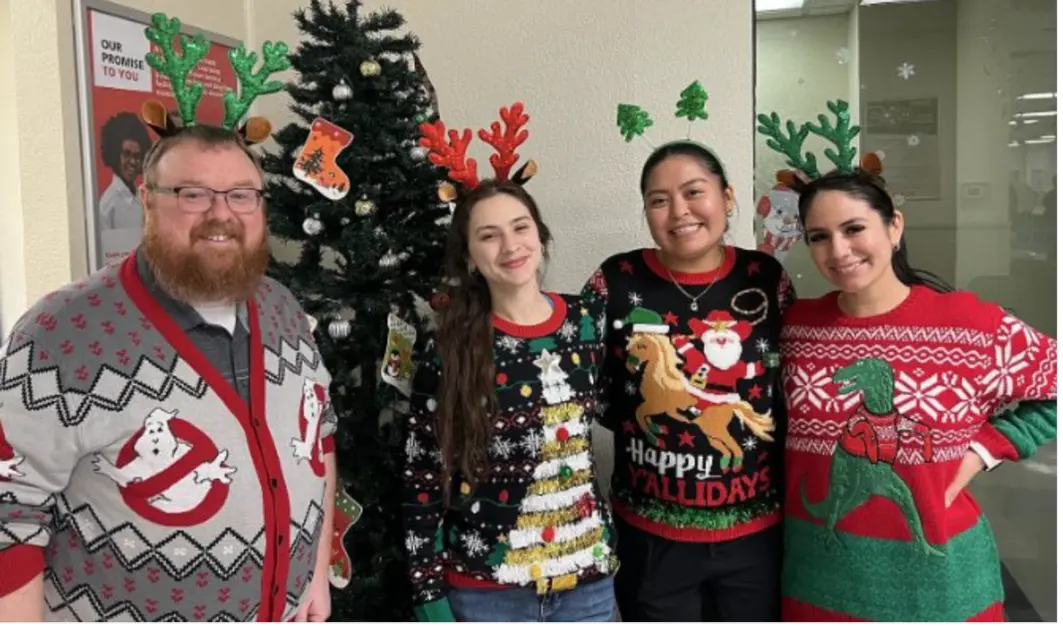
(200,199)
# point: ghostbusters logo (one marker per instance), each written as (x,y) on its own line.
(170,472)
(308,446)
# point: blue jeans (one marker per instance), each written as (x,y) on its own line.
(587,602)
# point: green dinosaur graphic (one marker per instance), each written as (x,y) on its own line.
(862,464)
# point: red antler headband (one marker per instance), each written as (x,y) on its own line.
(448,149)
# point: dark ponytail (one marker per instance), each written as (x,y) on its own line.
(465,341)
(871,189)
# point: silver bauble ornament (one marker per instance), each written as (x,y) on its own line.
(313,226)
(364,207)
(418,153)
(339,329)
(342,92)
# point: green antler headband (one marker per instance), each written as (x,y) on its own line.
(180,57)
(841,134)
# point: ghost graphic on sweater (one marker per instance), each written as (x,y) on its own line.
(156,449)
(308,446)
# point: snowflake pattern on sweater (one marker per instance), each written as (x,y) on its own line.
(539,520)
(882,409)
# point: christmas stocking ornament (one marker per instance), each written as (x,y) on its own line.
(344,517)
(397,368)
(316,164)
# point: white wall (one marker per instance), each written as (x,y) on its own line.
(571,63)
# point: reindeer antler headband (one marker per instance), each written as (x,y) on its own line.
(448,149)
(180,58)
(789,144)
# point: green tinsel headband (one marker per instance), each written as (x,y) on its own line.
(633,120)
(789,143)
(181,57)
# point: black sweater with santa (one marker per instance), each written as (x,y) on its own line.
(692,392)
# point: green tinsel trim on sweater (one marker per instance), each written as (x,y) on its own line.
(678,516)
(886,580)
(1028,426)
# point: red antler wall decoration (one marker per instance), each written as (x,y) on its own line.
(505,144)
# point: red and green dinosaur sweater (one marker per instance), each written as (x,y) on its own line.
(881,411)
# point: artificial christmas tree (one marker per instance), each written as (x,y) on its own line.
(370,227)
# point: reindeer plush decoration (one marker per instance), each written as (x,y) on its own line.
(777,223)
(180,57)
(448,149)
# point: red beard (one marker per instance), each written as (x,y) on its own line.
(184,274)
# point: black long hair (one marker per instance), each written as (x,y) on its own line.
(871,189)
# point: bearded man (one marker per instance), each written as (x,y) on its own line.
(152,417)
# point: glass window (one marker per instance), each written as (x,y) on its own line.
(958,99)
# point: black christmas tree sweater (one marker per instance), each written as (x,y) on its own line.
(692,392)
(539,520)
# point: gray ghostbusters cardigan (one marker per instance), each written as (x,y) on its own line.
(153,489)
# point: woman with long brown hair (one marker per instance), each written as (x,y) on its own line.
(504,517)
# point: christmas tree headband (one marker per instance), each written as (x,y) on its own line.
(789,144)
(180,58)
(633,120)
(448,149)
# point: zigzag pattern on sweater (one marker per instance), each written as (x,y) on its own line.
(291,357)
(889,334)
(42,388)
(829,429)
(905,456)
(902,353)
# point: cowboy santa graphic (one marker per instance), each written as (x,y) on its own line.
(715,371)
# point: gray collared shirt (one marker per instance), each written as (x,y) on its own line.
(229,354)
